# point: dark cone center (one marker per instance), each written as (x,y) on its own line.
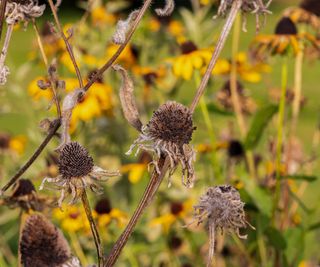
(235,149)
(286,27)
(23,188)
(74,161)
(103,206)
(176,208)
(172,122)
(188,47)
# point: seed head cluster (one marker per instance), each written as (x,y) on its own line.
(169,133)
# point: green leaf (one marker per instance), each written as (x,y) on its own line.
(276,239)
(215,109)
(308,178)
(295,239)
(259,123)
(314,226)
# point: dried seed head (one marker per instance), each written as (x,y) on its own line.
(127,99)
(167,9)
(286,27)
(172,122)
(223,208)
(312,6)
(103,206)
(42,244)
(123,27)
(21,2)
(74,161)
(23,187)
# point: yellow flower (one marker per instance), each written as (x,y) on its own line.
(18,144)
(127,57)
(36,93)
(100,17)
(154,25)
(178,211)
(193,59)
(176,29)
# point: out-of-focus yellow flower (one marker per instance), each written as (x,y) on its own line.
(193,59)
(178,211)
(308,14)
(101,17)
(71,218)
(105,214)
(176,29)
(127,57)
(154,25)
(204,2)
(36,93)
(18,144)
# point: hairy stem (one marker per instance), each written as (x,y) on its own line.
(98,74)
(146,199)
(210,262)
(93,227)
(222,39)
(66,41)
(35,155)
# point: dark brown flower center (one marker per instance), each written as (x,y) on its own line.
(24,187)
(74,161)
(312,6)
(188,47)
(103,206)
(286,27)
(175,242)
(4,141)
(176,208)
(172,122)
(235,149)
(227,88)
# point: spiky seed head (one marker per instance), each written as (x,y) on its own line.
(42,244)
(172,122)
(74,161)
(103,206)
(224,208)
(286,27)
(312,6)
(23,187)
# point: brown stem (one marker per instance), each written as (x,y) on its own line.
(222,39)
(98,74)
(2,15)
(35,155)
(146,199)
(93,227)
(45,60)
(65,39)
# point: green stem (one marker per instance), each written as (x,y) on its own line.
(284,81)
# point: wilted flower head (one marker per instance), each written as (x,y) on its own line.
(23,10)
(168,133)
(42,244)
(223,209)
(77,172)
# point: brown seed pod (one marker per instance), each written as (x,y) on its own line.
(127,99)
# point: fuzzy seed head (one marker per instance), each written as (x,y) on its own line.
(223,208)
(74,161)
(172,122)
(42,244)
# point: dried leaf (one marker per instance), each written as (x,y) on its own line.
(127,99)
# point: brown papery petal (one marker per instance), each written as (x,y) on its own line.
(167,9)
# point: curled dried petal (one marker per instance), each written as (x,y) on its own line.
(123,26)
(167,9)
(127,99)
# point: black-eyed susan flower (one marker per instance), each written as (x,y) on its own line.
(224,98)
(167,134)
(285,38)
(100,16)
(15,144)
(192,59)
(77,172)
(307,13)
(105,214)
(178,211)
(42,244)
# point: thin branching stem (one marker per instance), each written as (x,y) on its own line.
(93,227)
(210,262)
(135,25)
(217,51)
(35,155)
(2,15)
(66,41)
(45,60)
(146,199)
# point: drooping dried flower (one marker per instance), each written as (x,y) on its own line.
(69,103)
(169,133)
(123,27)
(77,172)
(223,209)
(42,244)
(257,7)
(127,99)
(167,9)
